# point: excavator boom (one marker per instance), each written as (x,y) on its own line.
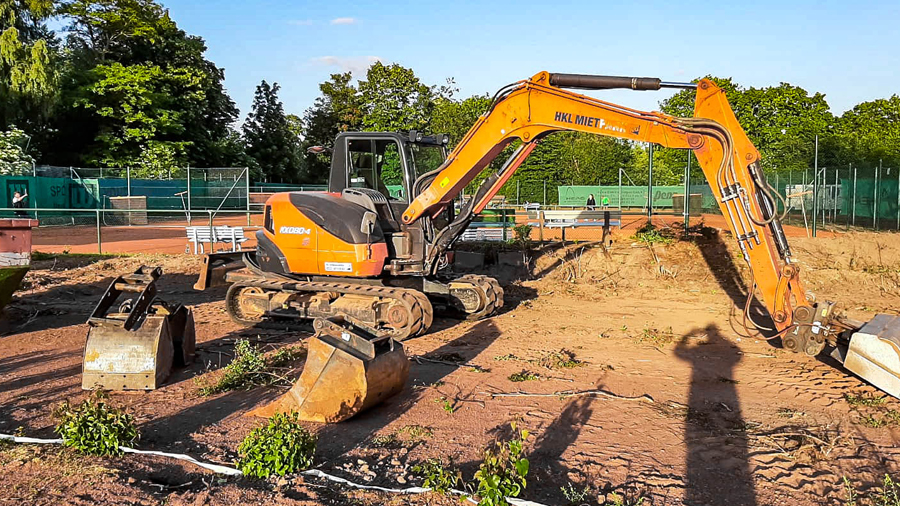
(527,111)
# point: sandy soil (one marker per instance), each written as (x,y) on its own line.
(718,418)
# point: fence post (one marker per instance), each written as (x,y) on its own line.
(545,195)
(687,194)
(517,192)
(650,186)
(853,210)
(837,183)
(128,180)
(189,195)
(815,188)
(247,187)
(875,199)
(620,188)
(99,239)
(541,225)
(503,217)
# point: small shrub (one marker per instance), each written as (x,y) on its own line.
(522,235)
(438,477)
(286,355)
(95,428)
(618,500)
(244,372)
(502,471)
(575,496)
(416,432)
(519,377)
(280,447)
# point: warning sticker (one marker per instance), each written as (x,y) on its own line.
(338,267)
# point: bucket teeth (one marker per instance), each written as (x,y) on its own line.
(345,373)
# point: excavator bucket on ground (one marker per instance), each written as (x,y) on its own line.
(136,347)
(874,353)
(347,371)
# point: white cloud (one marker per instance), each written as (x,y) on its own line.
(300,22)
(355,64)
(344,21)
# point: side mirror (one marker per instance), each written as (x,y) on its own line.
(367,226)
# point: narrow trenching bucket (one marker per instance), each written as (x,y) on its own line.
(345,374)
(136,347)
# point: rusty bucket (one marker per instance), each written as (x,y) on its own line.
(345,373)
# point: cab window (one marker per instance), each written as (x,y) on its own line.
(376,164)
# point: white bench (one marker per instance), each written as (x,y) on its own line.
(563,219)
(493,234)
(199,235)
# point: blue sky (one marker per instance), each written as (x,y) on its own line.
(848,50)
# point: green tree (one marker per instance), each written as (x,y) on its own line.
(14,160)
(869,134)
(394,99)
(338,109)
(139,108)
(28,63)
(268,136)
(134,78)
(781,121)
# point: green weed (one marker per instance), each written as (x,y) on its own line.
(649,234)
(575,496)
(562,359)
(94,427)
(886,495)
(446,405)
(519,377)
(280,447)
(864,400)
(502,471)
(437,476)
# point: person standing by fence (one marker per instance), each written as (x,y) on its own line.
(18,202)
(591,203)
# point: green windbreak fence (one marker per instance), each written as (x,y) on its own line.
(867,195)
(632,196)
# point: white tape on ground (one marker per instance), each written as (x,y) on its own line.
(187,458)
(229,471)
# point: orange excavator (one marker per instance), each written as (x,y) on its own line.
(369,259)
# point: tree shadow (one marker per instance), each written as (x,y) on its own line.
(717,463)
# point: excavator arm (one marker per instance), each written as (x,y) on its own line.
(527,111)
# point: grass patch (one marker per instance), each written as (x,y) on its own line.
(519,377)
(866,400)
(649,234)
(417,432)
(574,495)
(280,447)
(506,358)
(656,336)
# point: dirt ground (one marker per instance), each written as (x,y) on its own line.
(693,412)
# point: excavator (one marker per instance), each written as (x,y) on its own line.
(369,259)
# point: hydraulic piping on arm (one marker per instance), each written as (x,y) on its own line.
(528,110)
